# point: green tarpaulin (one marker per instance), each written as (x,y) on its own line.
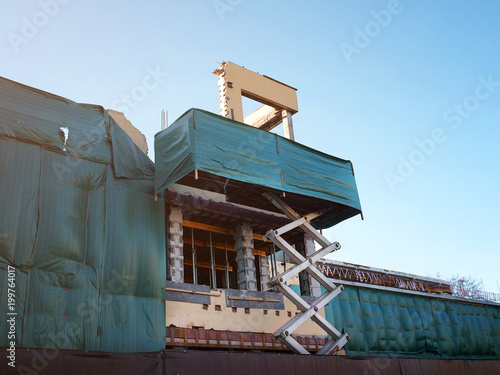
(80,225)
(206,142)
(383,323)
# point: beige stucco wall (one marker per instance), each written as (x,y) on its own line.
(189,315)
(260,88)
(134,133)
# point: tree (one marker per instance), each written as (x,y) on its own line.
(467,287)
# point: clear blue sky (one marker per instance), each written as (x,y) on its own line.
(407,90)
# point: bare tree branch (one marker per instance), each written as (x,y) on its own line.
(467,287)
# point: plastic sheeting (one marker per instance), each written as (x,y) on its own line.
(80,224)
(210,143)
(385,323)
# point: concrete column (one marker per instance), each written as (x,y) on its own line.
(243,242)
(265,273)
(314,285)
(305,289)
(308,285)
(175,255)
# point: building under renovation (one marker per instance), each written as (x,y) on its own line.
(209,260)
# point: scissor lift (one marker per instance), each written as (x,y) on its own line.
(307,264)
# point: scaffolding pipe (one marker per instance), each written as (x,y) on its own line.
(227,267)
(193,256)
(212,262)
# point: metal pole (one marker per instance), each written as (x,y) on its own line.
(212,262)
(193,255)
(227,267)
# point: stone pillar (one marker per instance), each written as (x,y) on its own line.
(265,273)
(243,242)
(308,285)
(314,285)
(305,289)
(175,255)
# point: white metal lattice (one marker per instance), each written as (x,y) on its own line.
(307,264)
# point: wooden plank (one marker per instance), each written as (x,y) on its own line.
(253,299)
(215,229)
(207,227)
(288,125)
(260,237)
(246,299)
(209,294)
(192,292)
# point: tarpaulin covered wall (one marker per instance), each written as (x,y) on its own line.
(80,225)
(385,323)
(207,142)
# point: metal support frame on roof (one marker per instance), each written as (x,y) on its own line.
(307,264)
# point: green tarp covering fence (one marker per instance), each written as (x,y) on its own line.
(385,323)
(80,225)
